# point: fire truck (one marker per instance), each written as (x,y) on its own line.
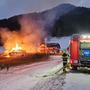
(80,50)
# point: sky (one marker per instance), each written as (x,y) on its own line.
(10,8)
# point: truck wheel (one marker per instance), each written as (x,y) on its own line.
(74,67)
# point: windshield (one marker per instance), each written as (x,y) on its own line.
(84,45)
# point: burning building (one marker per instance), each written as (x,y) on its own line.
(26,40)
(50,48)
(22,46)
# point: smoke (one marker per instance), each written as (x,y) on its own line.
(32,32)
(52,16)
(29,37)
(34,28)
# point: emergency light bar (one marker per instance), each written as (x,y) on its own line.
(85,36)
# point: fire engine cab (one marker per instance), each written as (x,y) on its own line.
(80,50)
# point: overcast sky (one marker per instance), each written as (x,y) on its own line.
(10,8)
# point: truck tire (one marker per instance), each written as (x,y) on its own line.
(74,67)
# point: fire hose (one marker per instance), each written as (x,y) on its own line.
(60,71)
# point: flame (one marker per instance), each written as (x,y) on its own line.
(16,48)
(27,39)
(16,41)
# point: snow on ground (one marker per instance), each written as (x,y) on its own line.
(77,81)
(26,77)
(51,83)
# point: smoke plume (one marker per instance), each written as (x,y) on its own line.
(29,37)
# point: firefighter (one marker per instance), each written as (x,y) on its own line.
(7,67)
(2,66)
(65,60)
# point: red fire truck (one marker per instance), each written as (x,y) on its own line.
(80,51)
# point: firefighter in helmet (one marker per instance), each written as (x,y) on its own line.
(65,57)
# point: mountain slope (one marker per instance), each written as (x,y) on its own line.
(59,21)
(45,19)
(76,21)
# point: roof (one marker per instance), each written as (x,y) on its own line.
(53,45)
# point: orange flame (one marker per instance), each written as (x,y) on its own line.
(16,48)
(28,39)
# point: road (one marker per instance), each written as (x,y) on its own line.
(41,76)
(77,81)
(26,77)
